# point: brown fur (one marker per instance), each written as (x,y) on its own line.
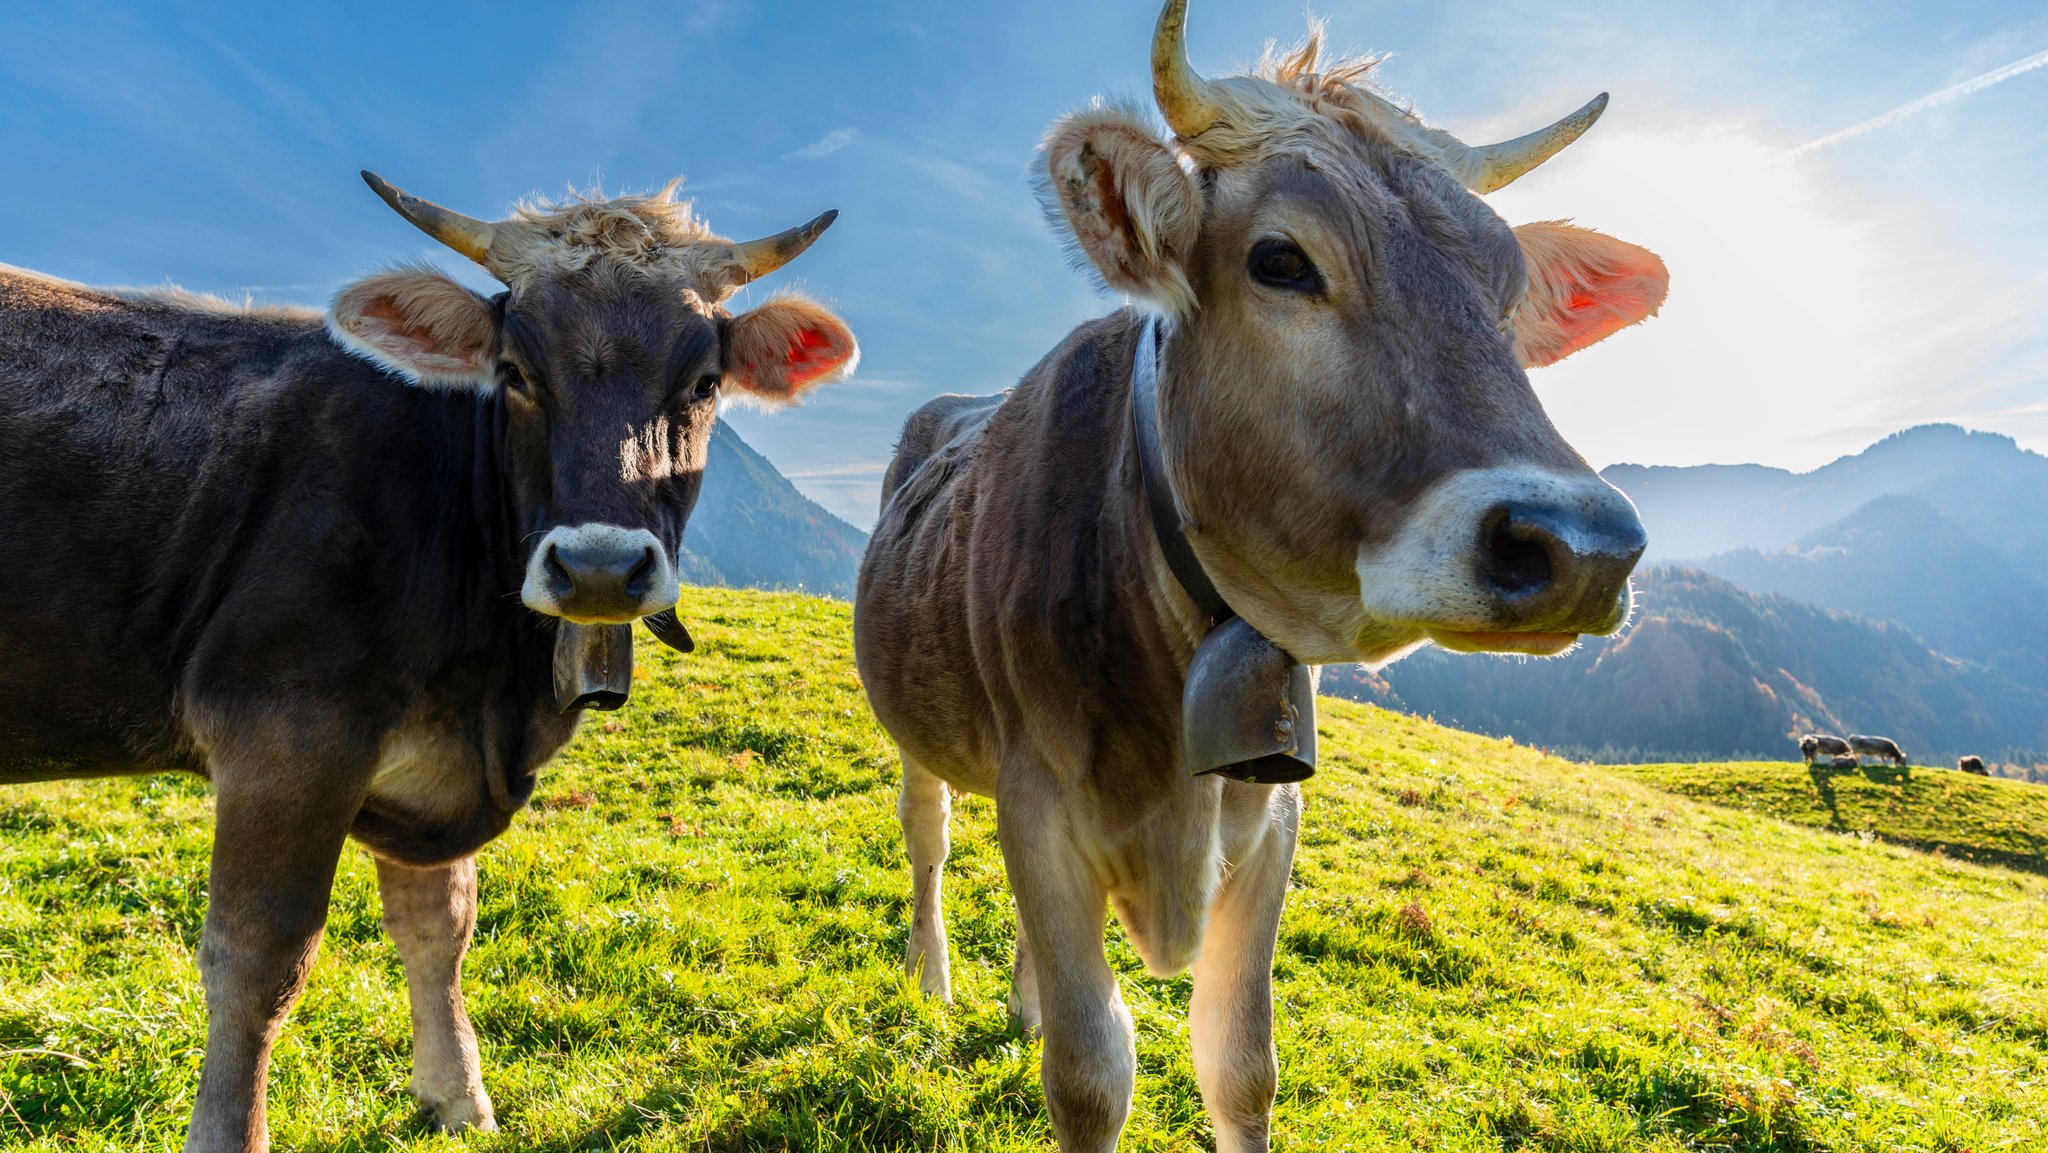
(654,234)
(1825,745)
(233,548)
(1131,207)
(416,321)
(1020,637)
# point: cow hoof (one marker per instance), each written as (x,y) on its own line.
(930,969)
(1024,1015)
(460,1114)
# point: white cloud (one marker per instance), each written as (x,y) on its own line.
(824,145)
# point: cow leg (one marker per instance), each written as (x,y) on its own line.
(1023,1000)
(1231,1016)
(277,837)
(924,809)
(430,914)
(1090,1063)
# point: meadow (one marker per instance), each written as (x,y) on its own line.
(692,942)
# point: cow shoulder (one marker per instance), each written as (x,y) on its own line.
(938,423)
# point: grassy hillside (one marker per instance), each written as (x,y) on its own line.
(1939,810)
(692,943)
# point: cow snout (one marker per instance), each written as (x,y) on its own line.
(600,574)
(1560,567)
(1516,560)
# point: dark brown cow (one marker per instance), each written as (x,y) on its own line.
(1973,765)
(230,546)
(1825,745)
(1355,455)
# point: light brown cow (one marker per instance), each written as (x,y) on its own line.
(1359,463)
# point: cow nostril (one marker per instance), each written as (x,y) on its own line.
(1518,556)
(558,573)
(640,574)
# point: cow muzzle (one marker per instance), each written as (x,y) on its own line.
(1509,560)
(600,574)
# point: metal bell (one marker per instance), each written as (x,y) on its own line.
(1248,711)
(593,666)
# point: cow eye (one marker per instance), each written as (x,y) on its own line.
(705,388)
(510,374)
(1280,264)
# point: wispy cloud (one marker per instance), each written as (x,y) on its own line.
(824,145)
(1932,100)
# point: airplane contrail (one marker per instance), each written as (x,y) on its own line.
(1956,92)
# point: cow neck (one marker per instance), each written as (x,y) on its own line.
(1248,710)
(497,517)
(1162,504)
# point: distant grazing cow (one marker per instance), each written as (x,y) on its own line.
(324,565)
(1847,761)
(1809,748)
(1318,428)
(1822,744)
(1973,765)
(1880,747)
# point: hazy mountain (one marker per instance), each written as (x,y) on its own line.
(1900,559)
(1983,481)
(752,528)
(1709,670)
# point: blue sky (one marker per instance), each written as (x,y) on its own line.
(1820,299)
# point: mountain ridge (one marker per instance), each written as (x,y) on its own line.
(752,528)
(1707,669)
(1697,511)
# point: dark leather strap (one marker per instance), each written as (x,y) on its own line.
(1159,499)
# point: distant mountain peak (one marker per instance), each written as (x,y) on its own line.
(1693,512)
(754,529)
(1921,436)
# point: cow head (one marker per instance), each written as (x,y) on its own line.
(1359,459)
(608,349)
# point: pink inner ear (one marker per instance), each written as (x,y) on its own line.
(1583,288)
(1614,298)
(810,356)
(390,328)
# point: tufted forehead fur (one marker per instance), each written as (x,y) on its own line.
(655,234)
(1290,97)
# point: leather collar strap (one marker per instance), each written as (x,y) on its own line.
(1159,497)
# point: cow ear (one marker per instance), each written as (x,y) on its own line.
(418,323)
(1583,288)
(778,351)
(1134,212)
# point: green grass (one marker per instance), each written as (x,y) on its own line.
(1982,819)
(692,943)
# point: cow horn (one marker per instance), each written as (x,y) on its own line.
(758,258)
(465,234)
(1184,97)
(1495,166)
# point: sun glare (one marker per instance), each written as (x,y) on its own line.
(1796,313)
